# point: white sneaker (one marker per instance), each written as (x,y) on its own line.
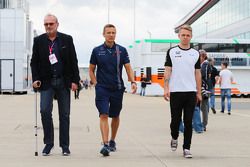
(174,144)
(187,153)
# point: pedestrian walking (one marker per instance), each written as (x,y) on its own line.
(226,79)
(109,58)
(182,86)
(54,72)
(206,77)
(213,81)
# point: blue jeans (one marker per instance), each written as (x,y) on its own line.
(46,106)
(197,124)
(181,127)
(212,99)
(143,90)
(226,93)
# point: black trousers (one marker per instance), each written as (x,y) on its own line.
(182,101)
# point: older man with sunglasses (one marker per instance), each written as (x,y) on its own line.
(54,72)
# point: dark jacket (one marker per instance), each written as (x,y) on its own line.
(206,73)
(40,64)
(214,73)
(143,83)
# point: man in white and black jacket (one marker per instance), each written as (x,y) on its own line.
(182,86)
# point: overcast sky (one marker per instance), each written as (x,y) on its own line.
(84,19)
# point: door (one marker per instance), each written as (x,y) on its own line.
(7,75)
(149,74)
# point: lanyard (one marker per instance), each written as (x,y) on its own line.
(118,66)
(51,48)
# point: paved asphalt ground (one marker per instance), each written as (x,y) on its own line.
(143,139)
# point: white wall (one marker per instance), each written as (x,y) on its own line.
(13,40)
(229,31)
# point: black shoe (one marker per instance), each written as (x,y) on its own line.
(222,112)
(214,111)
(112,145)
(229,113)
(65,151)
(47,149)
(105,150)
(205,129)
(199,131)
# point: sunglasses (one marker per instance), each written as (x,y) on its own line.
(48,24)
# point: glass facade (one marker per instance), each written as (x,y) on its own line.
(236,54)
(224,47)
(13,4)
(245,35)
(222,14)
(4,4)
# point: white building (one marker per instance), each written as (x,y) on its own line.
(219,19)
(15,45)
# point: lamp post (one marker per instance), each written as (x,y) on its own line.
(108,11)
(134,29)
(149,34)
(134,20)
(206,28)
(150,51)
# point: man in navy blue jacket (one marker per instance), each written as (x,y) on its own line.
(109,58)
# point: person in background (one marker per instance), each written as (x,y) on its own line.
(214,79)
(206,75)
(143,86)
(77,92)
(86,83)
(225,81)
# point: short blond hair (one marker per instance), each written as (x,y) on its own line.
(186,27)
